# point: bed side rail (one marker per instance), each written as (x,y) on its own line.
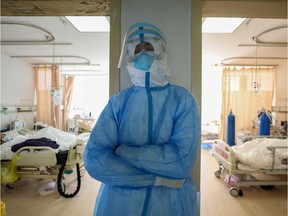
(82,140)
(273,150)
(36,156)
(75,153)
(225,154)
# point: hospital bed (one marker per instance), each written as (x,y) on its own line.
(64,164)
(210,131)
(261,162)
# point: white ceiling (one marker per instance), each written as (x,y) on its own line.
(241,47)
(70,45)
(94,47)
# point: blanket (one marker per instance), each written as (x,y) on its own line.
(255,154)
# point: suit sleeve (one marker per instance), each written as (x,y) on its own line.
(100,159)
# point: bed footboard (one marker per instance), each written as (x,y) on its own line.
(225,155)
(36,156)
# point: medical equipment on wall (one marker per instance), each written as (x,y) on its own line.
(256,120)
(265,124)
(16,117)
(230,129)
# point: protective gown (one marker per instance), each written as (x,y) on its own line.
(143,148)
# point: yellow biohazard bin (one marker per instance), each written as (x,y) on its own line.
(3,209)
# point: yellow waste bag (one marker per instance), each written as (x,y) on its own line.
(3,209)
(9,170)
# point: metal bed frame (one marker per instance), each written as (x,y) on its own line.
(228,165)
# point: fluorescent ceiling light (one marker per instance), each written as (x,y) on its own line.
(90,23)
(220,25)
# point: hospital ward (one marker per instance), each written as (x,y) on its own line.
(122,112)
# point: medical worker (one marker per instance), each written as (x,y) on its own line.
(145,142)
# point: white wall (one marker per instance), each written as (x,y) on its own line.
(281,79)
(281,84)
(17,89)
(174,20)
(212,92)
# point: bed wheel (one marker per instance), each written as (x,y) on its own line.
(217,173)
(82,172)
(240,192)
(235,192)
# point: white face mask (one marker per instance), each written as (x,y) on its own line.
(159,74)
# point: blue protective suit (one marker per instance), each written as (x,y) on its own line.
(143,147)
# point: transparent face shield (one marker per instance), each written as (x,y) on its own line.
(142,38)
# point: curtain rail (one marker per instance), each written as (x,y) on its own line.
(49,38)
(86,61)
(246,65)
(222,63)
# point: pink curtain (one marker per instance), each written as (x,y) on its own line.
(47,82)
(67,97)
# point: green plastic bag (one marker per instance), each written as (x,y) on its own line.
(9,171)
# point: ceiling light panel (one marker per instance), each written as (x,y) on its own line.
(221,25)
(90,23)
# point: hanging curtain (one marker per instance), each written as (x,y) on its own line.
(240,96)
(67,98)
(47,83)
(43,82)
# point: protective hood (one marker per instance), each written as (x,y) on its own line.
(145,56)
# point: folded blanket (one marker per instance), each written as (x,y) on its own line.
(36,142)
